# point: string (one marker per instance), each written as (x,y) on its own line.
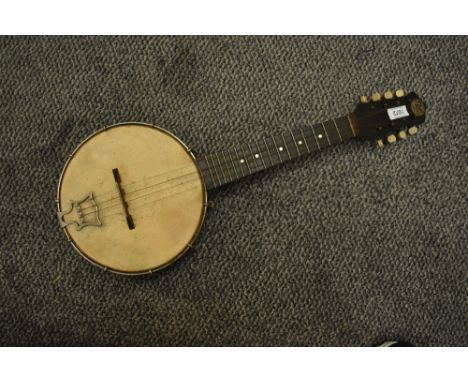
(141,189)
(225,166)
(148,202)
(128,185)
(138,197)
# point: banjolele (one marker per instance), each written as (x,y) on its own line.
(132,197)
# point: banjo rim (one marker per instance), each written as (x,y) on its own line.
(196,233)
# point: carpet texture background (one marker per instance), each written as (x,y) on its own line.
(351,246)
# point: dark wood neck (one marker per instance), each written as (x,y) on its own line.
(232,164)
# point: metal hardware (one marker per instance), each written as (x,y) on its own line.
(412,130)
(391,138)
(82,220)
(209,204)
(388,95)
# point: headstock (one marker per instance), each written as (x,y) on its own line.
(388,117)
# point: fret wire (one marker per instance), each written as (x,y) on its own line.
(233,164)
(206,158)
(339,134)
(295,143)
(261,156)
(268,149)
(238,158)
(351,125)
(286,146)
(246,161)
(315,137)
(227,169)
(305,140)
(221,168)
(325,129)
(253,158)
(274,142)
(345,130)
(253,164)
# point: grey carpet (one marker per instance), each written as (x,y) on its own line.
(351,246)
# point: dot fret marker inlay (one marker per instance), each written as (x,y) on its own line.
(320,136)
(280,148)
(257,156)
(242,160)
(299,142)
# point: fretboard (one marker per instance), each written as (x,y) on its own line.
(235,163)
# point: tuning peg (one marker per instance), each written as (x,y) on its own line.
(388,95)
(380,143)
(400,93)
(391,138)
(412,130)
(364,99)
(402,134)
(376,97)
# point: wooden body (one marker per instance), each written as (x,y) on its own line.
(161,185)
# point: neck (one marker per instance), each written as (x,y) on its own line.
(232,164)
